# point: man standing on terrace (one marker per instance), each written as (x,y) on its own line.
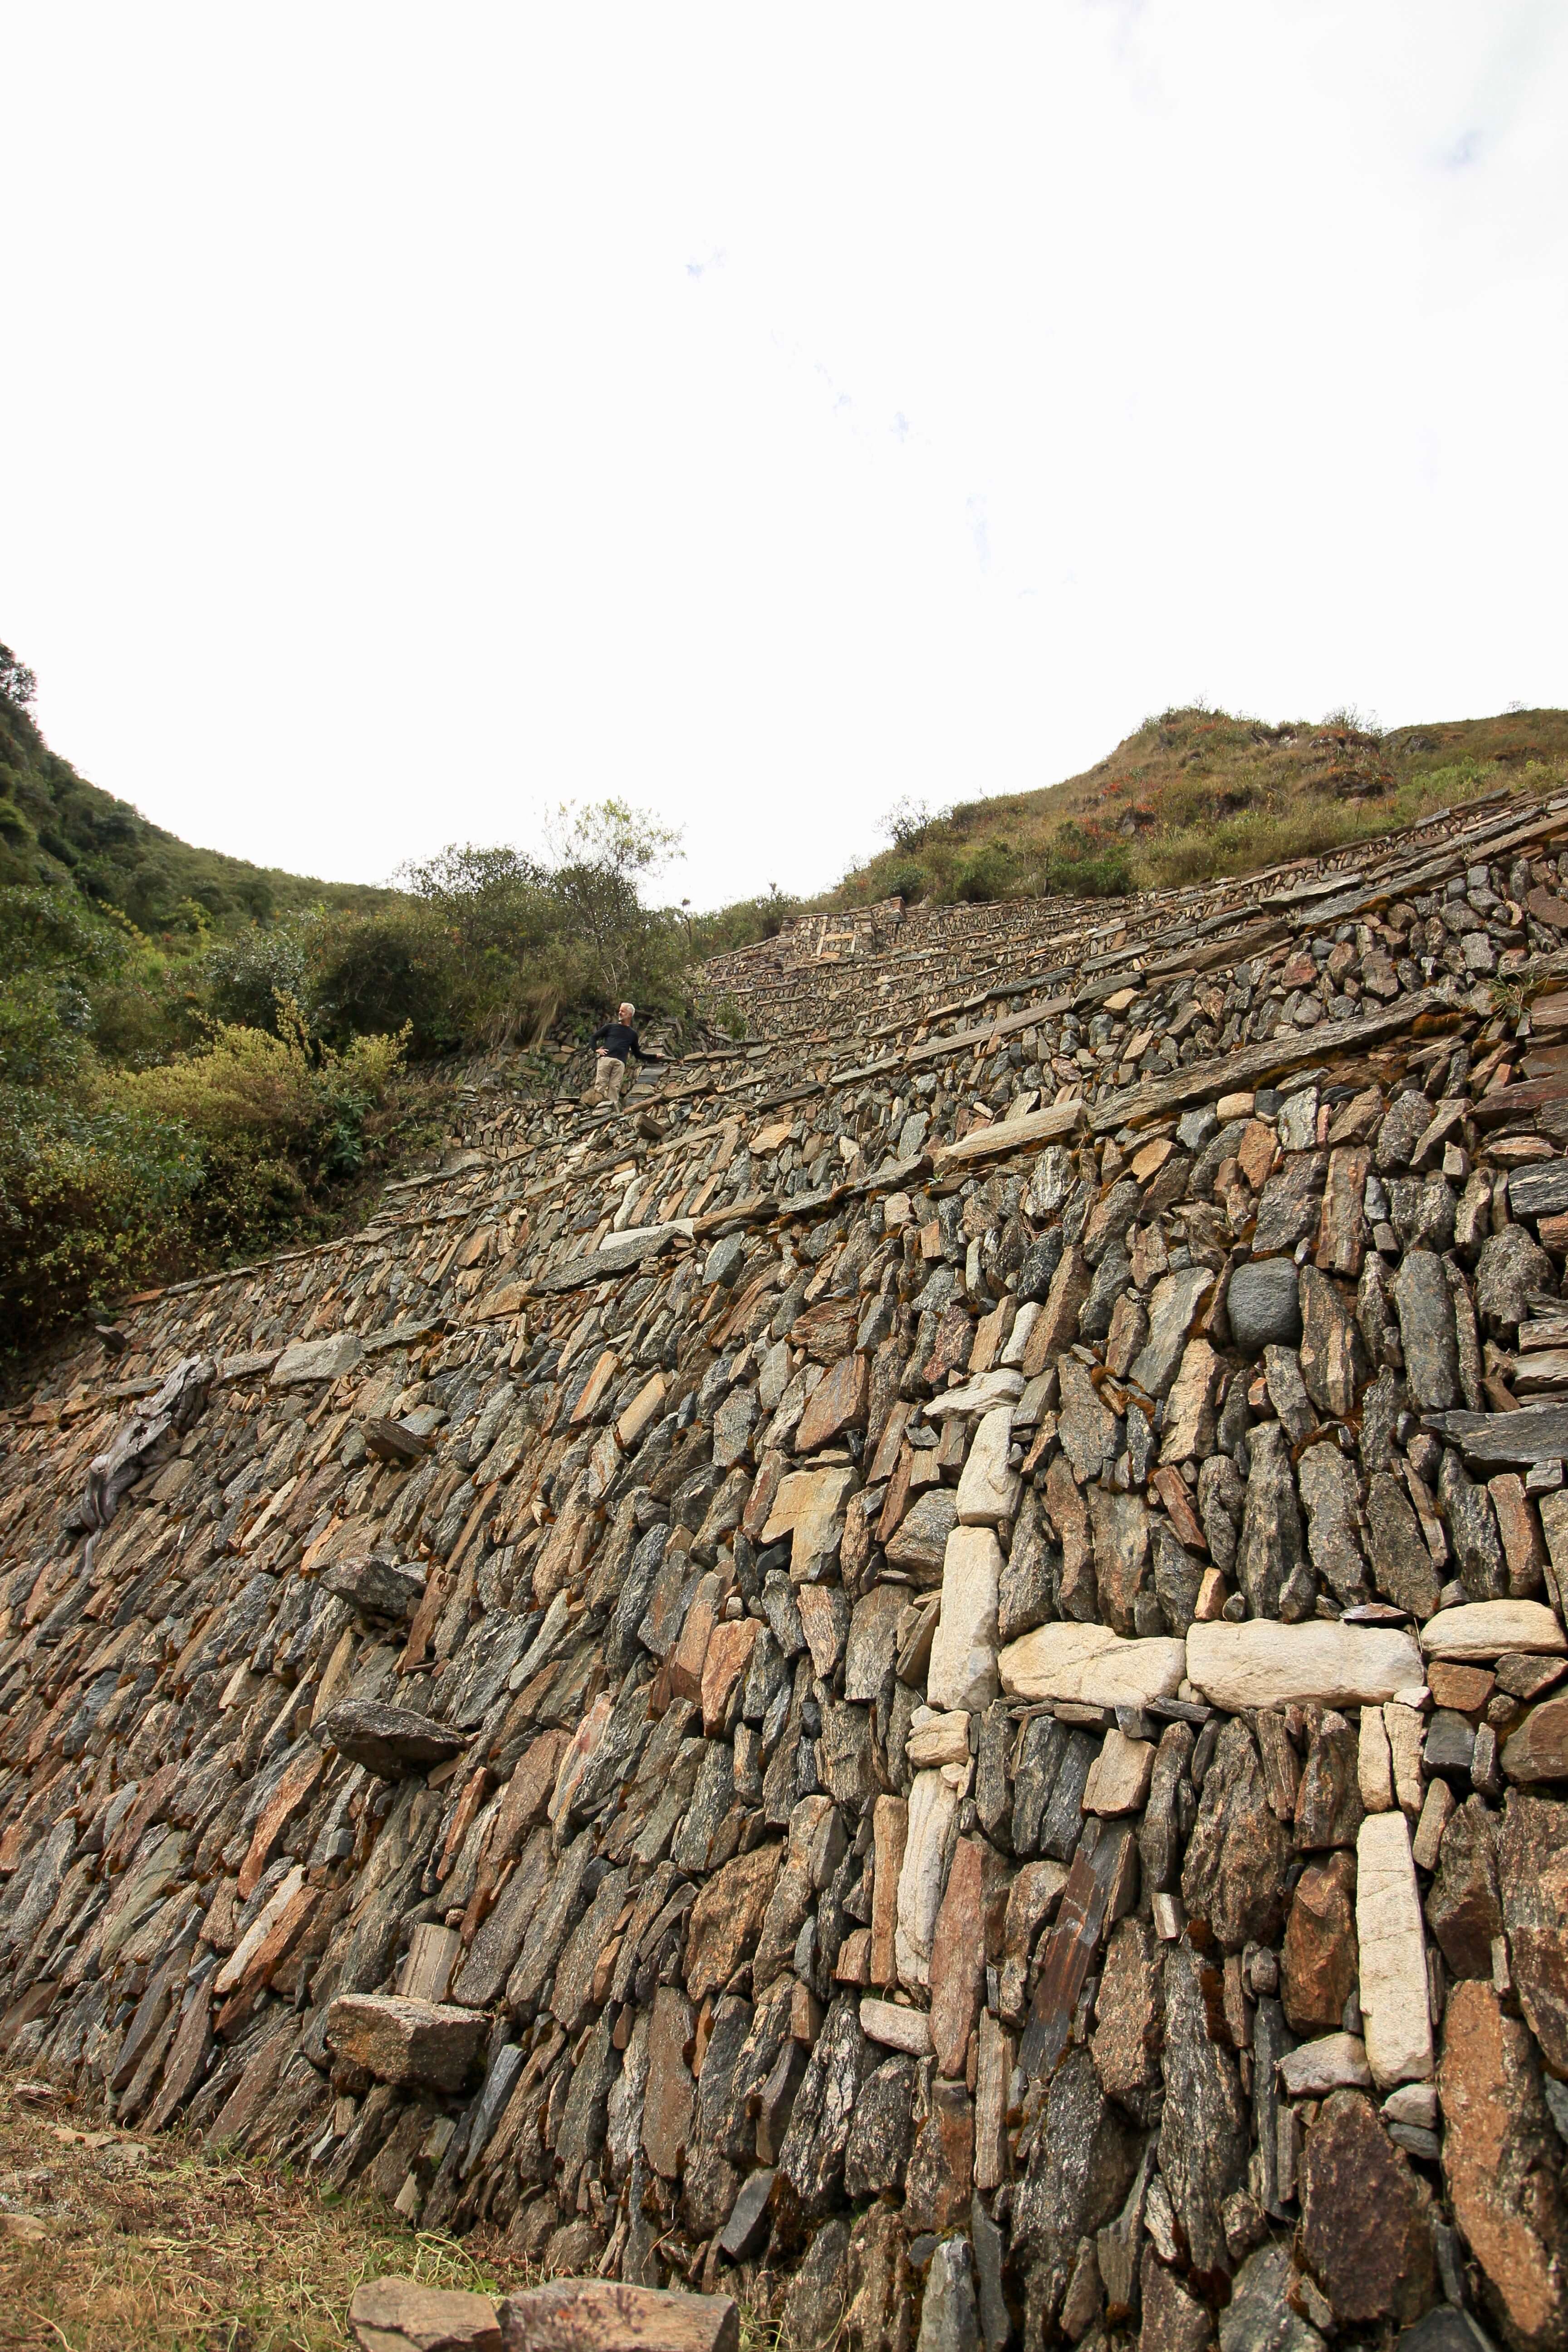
(615,1041)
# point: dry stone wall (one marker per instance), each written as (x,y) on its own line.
(920,1675)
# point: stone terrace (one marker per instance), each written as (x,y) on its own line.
(920,1675)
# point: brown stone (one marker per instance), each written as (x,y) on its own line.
(1069,1514)
(1463,1910)
(414,2041)
(670,2096)
(1173,2320)
(940,2181)
(1328,1809)
(689,1654)
(728,1654)
(402,2315)
(1234,1874)
(1521,1531)
(1466,1689)
(1341,1223)
(591,2315)
(1129,2019)
(275,1814)
(1055,1327)
(1366,2233)
(389,1742)
(1532,1879)
(726,1919)
(1538,1748)
(1320,1961)
(958,1958)
(837,1402)
(889,1833)
(1501,2163)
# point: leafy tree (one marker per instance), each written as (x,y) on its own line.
(17,683)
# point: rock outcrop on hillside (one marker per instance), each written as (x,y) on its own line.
(921,1675)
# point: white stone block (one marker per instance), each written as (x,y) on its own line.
(897,2028)
(928,1848)
(1091,1665)
(1373,1768)
(1485,1629)
(962,1672)
(1396,2017)
(988,1491)
(1320,1663)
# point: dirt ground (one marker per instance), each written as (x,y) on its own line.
(114,2242)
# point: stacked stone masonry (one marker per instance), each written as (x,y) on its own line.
(920,1675)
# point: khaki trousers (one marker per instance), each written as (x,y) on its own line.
(609,1077)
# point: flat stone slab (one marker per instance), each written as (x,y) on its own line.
(806,1495)
(426,2042)
(602,2316)
(1092,1665)
(1261,1664)
(1334,2062)
(899,2028)
(399,2314)
(1490,1629)
(318,1360)
(981,1394)
(387,1589)
(389,1741)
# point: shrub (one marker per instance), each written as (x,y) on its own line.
(91,1197)
(242,977)
(1080,864)
(986,873)
(272,1120)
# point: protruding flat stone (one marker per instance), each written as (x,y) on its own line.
(384,1587)
(982,1394)
(389,1742)
(416,2042)
(808,1495)
(1334,2062)
(1318,1663)
(1091,1665)
(318,1360)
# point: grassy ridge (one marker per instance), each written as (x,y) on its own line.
(1197,794)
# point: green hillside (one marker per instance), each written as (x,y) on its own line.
(54,827)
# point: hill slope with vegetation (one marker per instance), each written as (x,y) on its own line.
(1198,794)
(56,827)
(201,1058)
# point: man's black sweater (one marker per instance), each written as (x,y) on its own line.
(617,1039)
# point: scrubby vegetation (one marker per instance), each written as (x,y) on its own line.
(186,1094)
(1193,795)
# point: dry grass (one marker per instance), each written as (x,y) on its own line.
(109,2240)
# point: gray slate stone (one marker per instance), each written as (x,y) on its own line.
(1263,1303)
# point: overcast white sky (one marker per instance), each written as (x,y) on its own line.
(414,416)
